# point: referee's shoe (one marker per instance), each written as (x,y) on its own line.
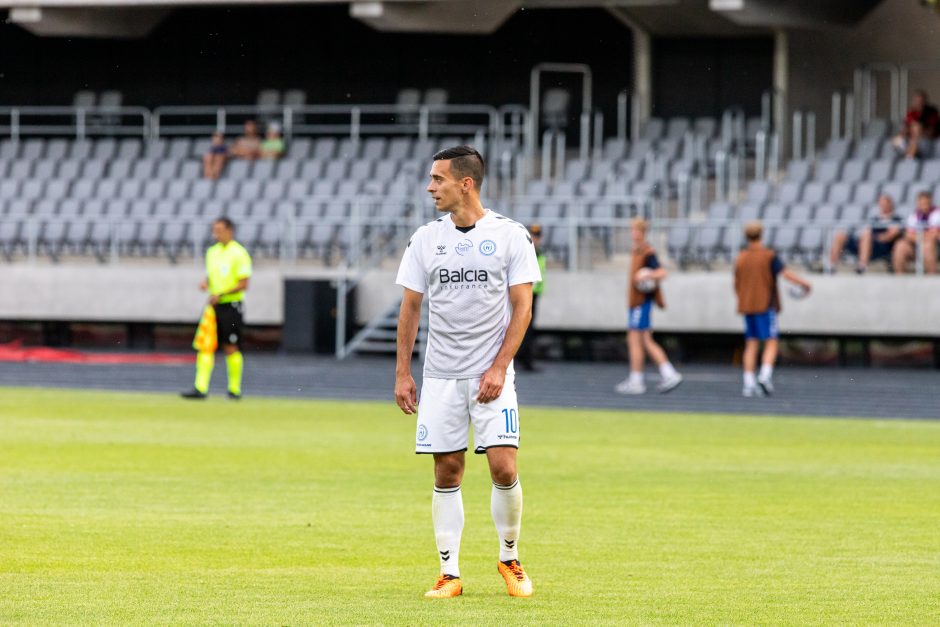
(194,395)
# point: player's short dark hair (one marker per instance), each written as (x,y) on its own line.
(925,193)
(464,161)
(226,222)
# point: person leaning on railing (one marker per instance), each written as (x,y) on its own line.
(923,226)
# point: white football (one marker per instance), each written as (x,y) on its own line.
(798,292)
(644,282)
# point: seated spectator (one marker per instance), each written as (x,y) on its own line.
(214,160)
(873,242)
(248,146)
(273,146)
(921,124)
(923,227)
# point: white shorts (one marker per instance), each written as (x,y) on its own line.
(448,407)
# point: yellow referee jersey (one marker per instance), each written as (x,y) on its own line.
(226,265)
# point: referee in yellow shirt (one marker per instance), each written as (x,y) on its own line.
(228,268)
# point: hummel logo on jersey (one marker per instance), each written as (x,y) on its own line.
(463,275)
(441,249)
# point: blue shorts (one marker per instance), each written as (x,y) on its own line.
(638,318)
(762,326)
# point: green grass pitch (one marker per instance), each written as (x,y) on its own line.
(136,508)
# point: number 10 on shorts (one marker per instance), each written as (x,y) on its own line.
(512,420)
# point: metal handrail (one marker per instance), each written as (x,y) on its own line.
(80,122)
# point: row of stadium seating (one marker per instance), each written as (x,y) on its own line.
(840,192)
(706,243)
(857,170)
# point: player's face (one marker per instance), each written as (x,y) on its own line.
(444,188)
(221,233)
(637,235)
(887,207)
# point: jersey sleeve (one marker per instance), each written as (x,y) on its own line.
(933,220)
(652,262)
(242,269)
(523,265)
(776,265)
(411,273)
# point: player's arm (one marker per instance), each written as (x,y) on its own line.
(492,381)
(241,286)
(889,235)
(792,277)
(409,317)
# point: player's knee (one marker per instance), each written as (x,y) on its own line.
(503,475)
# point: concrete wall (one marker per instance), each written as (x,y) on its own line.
(822,61)
(696,302)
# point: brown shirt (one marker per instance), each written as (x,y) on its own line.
(635,297)
(755,281)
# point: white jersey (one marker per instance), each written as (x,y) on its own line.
(467,276)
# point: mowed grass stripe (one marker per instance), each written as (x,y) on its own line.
(140,508)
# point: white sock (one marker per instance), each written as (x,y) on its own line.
(447,513)
(666,370)
(636,378)
(750,380)
(506,507)
(766,371)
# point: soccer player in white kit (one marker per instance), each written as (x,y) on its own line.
(477,268)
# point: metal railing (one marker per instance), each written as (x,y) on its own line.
(77,122)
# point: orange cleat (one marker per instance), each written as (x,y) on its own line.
(518,583)
(446,586)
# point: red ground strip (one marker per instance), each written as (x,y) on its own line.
(15,352)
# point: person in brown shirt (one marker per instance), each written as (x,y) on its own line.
(755,282)
(645,274)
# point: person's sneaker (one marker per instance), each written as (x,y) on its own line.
(194,395)
(751,391)
(232,396)
(445,587)
(766,384)
(629,387)
(670,383)
(518,583)
(860,270)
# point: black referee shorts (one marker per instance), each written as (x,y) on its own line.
(229,321)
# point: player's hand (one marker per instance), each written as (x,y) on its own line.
(406,394)
(204,285)
(214,299)
(808,288)
(491,384)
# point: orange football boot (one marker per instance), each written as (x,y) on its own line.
(518,583)
(446,586)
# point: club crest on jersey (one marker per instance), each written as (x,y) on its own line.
(463,247)
(487,247)
(441,249)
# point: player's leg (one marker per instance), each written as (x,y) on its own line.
(838,244)
(751,351)
(769,333)
(913,140)
(205,363)
(670,378)
(930,251)
(902,253)
(496,433)
(442,430)
(638,321)
(230,331)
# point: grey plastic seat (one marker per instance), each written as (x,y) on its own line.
(347,189)
(69,169)
(309,171)
(423,149)
(284,210)
(815,192)
(177,189)
(866,191)
(838,149)
(336,170)
(386,170)
(128,150)
(33,149)
(129,189)
(347,149)
(399,148)
(537,189)
(876,128)
(52,238)
(264,170)
(705,127)
(250,189)
(775,212)
(828,170)
(916,188)
(167,169)
(57,149)
(227,189)
(614,149)
(164,209)
(81,149)
(854,170)
(19,208)
(120,169)
(852,215)
(709,243)
(811,244)
(297,190)
(189,209)
(374,148)
(789,191)
(551,210)
(841,192)
(309,209)
(867,149)
(94,168)
(799,170)
(286,169)
(174,239)
(94,209)
(202,189)
(827,214)
(720,211)
(153,190)
(238,169)
(361,170)
(56,189)
(190,170)
(140,209)
(143,169)
(9,189)
(104,149)
(631,169)
(323,188)
(179,148)
(880,170)
(896,189)
(20,170)
(907,171)
(70,208)
(149,237)
(44,169)
(748,212)
(337,209)
(652,129)
(564,189)
(32,189)
(591,189)
(602,170)
(786,238)
(106,188)
(577,170)
(45,208)
(800,213)
(759,191)
(324,148)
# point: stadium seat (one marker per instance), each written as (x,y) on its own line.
(907,171)
(866,192)
(854,170)
(815,192)
(799,171)
(841,192)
